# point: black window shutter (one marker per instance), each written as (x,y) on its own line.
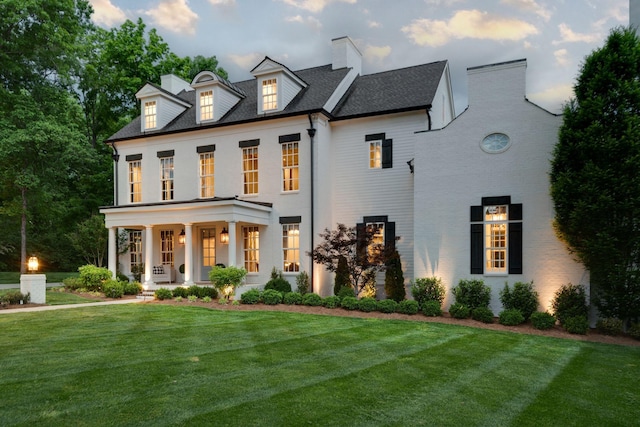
(515,212)
(477,258)
(387,153)
(515,248)
(476,213)
(390,235)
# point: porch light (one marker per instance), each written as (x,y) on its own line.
(181,237)
(224,236)
(32,264)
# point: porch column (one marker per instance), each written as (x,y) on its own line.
(112,255)
(232,243)
(188,254)
(148,256)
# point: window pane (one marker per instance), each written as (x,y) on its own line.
(375,154)
(166,247)
(135,181)
(166,178)
(206,105)
(495,238)
(290,180)
(250,170)
(291,247)
(150,115)
(269,94)
(206,175)
(251,248)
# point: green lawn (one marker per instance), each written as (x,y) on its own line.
(11,278)
(155,365)
(53,297)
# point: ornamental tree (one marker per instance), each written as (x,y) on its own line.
(595,174)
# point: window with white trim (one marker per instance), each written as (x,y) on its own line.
(375,154)
(135,181)
(166,177)
(376,229)
(207,174)
(166,247)
(495,239)
(250,170)
(135,249)
(291,247)
(269,94)
(251,248)
(290,181)
(150,115)
(206,105)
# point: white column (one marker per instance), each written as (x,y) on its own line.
(112,253)
(148,256)
(232,243)
(188,254)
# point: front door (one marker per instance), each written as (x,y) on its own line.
(208,242)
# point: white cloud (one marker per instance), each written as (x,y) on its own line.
(561,57)
(248,61)
(223,2)
(175,16)
(569,36)
(530,6)
(374,24)
(314,6)
(555,96)
(472,24)
(376,53)
(310,21)
(105,13)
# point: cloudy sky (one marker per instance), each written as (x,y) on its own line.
(553,35)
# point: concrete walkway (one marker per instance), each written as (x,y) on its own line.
(58,307)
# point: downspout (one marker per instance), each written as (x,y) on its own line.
(312,132)
(115,156)
(428,118)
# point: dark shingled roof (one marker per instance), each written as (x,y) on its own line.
(398,90)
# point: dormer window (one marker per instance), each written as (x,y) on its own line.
(269,94)
(206,105)
(150,115)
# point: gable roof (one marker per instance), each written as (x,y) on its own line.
(405,89)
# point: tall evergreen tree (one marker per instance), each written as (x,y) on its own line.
(394,278)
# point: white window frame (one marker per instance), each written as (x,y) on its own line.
(135,249)
(291,248)
(250,175)
(251,248)
(150,114)
(207,174)
(269,91)
(496,235)
(166,178)
(135,181)
(206,105)
(166,247)
(290,167)
(375,154)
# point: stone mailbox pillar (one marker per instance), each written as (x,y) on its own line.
(36,285)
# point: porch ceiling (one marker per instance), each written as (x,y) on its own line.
(188,212)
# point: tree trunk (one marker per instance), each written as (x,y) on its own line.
(23,232)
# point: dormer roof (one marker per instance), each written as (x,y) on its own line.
(209,78)
(269,66)
(150,90)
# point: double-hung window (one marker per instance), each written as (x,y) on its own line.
(378,234)
(250,170)
(150,115)
(290,172)
(206,174)
(135,179)
(290,243)
(375,154)
(251,248)
(380,151)
(269,94)
(135,249)
(166,247)
(495,238)
(206,105)
(166,174)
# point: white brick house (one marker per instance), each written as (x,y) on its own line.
(249,173)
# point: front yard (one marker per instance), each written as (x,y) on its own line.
(154,364)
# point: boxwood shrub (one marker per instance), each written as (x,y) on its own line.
(408,306)
(292,298)
(482,314)
(279,284)
(92,277)
(349,303)
(132,288)
(387,306)
(180,292)
(252,296)
(72,283)
(609,326)
(13,297)
(576,325)
(163,293)
(428,289)
(472,293)
(570,301)
(634,331)
(346,291)
(271,297)
(522,297)
(432,309)
(367,304)
(331,302)
(459,311)
(542,320)
(511,317)
(113,288)
(313,300)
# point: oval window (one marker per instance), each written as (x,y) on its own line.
(495,143)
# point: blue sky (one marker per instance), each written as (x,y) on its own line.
(553,35)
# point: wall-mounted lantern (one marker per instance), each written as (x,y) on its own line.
(224,236)
(181,237)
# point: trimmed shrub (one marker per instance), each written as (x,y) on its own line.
(180,292)
(192,298)
(432,309)
(13,297)
(252,296)
(112,288)
(278,282)
(472,293)
(609,326)
(72,283)
(542,320)
(482,314)
(208,291)
(349,303)
(207,299)
(292,298)
(576,325)
(178,299)
(121,277)
(313,300)
(271,297)
(570,301)
(302,282)
(459,311)
(331,302)
(162,294)
(408,306)
(634,331)
(511,317)
(92,277)
(341,279)
(227,279)
(522,297)
(387,306)
(346,291)
(394,278)
(367,304)
(428,289)
(132,288)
